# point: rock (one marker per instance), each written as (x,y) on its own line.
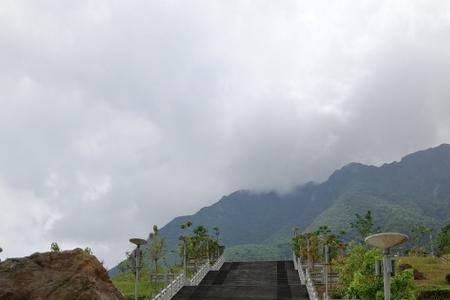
(62,275)
(418,275)
(404,267)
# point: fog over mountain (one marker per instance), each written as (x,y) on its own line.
(117,115)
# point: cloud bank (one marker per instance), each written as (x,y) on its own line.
(119,115)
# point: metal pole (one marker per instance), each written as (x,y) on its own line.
(431,244)
(136,252)
(326,270)
(308,250)
(387,275)
(207,249)
(184,259)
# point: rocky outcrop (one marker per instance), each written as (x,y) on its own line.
(62,275)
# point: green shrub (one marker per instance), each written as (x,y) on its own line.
(357,276)
(434,295)
(447,278)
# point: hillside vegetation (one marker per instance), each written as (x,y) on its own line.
(258,226)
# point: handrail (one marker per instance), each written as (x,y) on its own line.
(198,277)
(169,291)
(301,273)
(312,292)
(305,279)
(294,258)
(218,264)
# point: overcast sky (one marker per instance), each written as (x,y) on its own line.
(117,115)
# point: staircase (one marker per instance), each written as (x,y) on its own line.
(274,280)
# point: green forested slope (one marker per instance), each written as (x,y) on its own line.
(259,225)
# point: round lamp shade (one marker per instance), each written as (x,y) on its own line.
(386,240)
(138,241)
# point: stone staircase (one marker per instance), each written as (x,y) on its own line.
(274,280)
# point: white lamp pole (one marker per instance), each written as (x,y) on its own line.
(138,242)
(385,241)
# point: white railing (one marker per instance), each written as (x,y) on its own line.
(305,278)
(218,264)
(198,277)
(294,258)
(301,273)
(312,292)
(169,291)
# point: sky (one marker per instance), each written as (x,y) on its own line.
(117,115)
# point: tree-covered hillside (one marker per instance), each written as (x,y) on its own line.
(399,194)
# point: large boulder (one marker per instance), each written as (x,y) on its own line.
(64,275)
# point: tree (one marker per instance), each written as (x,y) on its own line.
(323,230)
(419,232)
(156,247)
(184,240)
(88,250)
(357,276)
(54,247)
(199,243)
(129,264)
(443,240)
(186,225)
(364,225)
(217,233)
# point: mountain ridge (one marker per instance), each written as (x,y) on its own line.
(400,194)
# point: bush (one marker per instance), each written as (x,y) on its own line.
(447,278)
(434,295)
(357,276)
(418,251)
(403,285)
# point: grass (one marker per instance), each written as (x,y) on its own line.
(434,270)
(125,284)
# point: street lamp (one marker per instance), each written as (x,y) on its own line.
(385,241)
(137,252)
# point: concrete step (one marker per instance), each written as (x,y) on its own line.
(217,292)
(273,280)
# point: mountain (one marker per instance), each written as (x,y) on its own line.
(400,194)
(258,225)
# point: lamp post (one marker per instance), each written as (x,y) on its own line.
(385,241)
(137,252)
(327,261)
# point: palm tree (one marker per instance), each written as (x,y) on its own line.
(199,243)
(156,248)
(217,232)
(184,239)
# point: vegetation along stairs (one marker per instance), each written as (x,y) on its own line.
(248,280)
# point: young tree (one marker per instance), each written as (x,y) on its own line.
(419,232)
(199,243)
(364,225)
(443,240)
(156,247)
(357,276)
(323,230)
(217,233)
(184,244)
(54,247)
(129,264)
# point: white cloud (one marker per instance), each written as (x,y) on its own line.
(116,116)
